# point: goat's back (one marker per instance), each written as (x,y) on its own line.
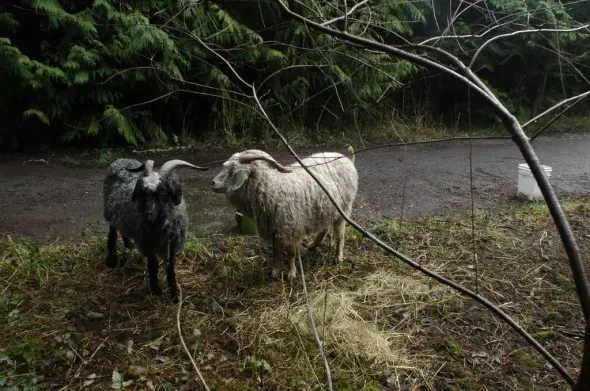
(307,209)
(118,184)
(336,171)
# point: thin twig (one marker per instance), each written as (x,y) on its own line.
(461,36)
(35,161)
(188,353)
(580,96)
(346,14)
(561,113)
(486,43)
(91,357)
(82,364)
(457,14)
(313,326)
(438,140)
(471,195)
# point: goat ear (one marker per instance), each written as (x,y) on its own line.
(135,191)
(238,179)
(137,169)
(175,190)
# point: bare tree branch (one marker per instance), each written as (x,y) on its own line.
(287,68)
(432,141)
(460,36)
(199,40)
(495,309)
(519,137)
(548,124)
(313,326)
(179,329)
(346,14)
(580,96)
(461,66)
(486,43)
(566,58)
(457,14)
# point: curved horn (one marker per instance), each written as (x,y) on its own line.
(175,163)
(149,167)
(137,169)
(250,157)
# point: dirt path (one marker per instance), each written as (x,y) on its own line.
(54,202)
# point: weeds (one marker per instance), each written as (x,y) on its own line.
(67,322)
(97,159)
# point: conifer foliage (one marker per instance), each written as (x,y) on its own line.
(78,71)
(111,72)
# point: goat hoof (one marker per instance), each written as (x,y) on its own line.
(156,290)
(111,261)
(173,293)
(276,274)
(128,244)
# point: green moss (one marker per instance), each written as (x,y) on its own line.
(453,347)
(524,359)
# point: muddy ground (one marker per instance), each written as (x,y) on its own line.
(53,202)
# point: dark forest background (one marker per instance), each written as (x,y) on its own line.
(112,73)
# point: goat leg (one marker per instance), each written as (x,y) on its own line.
(292,268)
(127,243)
(111,260)
(153,271)
(339,227)
(171,275)
(317,241)
(277,253)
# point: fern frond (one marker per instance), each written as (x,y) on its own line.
(118,121)
(8,23)
(58,16)
(36,113)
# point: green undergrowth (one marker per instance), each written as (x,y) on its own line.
(392,128)
(68,322)
(393,131)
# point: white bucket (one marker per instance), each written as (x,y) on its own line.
(527,185)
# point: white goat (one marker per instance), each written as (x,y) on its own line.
(286,203)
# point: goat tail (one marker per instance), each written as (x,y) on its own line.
(350,151)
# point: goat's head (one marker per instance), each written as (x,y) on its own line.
(238,168)
(155,190)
